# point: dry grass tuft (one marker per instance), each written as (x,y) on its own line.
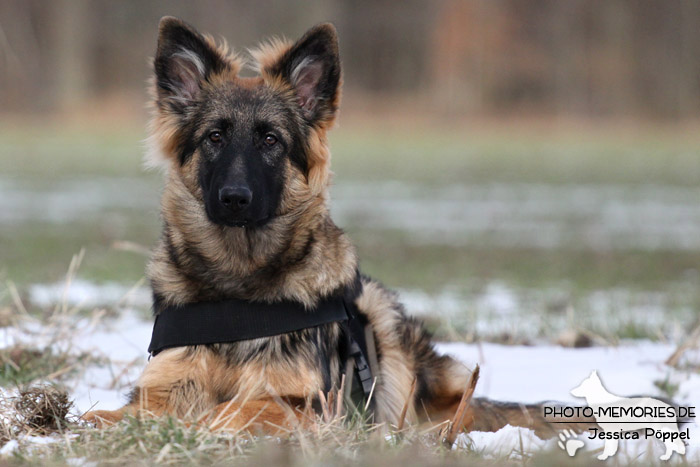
(34,411)
(43,409)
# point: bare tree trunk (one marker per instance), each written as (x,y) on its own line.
(70,51)
(689,71)
(569,49)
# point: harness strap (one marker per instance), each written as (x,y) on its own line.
(361,349)
(236,320)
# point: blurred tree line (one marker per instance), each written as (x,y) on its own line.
(456,57)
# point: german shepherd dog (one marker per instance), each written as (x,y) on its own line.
(245,216)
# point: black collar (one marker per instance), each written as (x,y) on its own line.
(236,320)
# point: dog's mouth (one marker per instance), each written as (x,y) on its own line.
(246,223)
(249,218)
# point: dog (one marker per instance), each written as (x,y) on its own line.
(597,397)
(245,217)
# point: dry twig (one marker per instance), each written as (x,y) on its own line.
(457,422)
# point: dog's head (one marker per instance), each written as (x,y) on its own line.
(588,387)
(237,143)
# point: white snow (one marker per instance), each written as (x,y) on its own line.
(509,441)
(89,294)
(9,447)
(123,345)
(544,372)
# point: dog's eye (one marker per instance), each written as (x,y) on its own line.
(270,139)
(215,136)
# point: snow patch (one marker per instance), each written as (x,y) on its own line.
(89,294)
(510,442)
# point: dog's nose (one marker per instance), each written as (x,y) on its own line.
(235,197)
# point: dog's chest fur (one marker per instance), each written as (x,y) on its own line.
(300,255)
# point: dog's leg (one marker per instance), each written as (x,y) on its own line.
(444,383)
(490,416)
(669,451)
(609,449)
(268,416)
(675,445)
(153,402)
(175,382)
(104,418)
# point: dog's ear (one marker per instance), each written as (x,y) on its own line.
(312,67)
(184,60)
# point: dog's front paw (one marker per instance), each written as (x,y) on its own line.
(569,442)
(103,418)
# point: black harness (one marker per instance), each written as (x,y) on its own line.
(236,320)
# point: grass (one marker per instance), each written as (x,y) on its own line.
(400,262)
(667,386)
(34,411)
(71,150)
(168,441)
(40,252)
(21,365)
(517,152)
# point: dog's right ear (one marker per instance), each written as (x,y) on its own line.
(184,60)
(311,67)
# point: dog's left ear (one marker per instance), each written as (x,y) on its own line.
(184,61)
(312,67)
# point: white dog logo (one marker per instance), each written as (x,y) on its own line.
(638,413)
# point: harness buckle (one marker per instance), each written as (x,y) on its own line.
(362,368)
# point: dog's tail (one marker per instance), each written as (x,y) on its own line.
(543,418)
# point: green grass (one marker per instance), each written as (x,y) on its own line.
(40,253)
(24,364)
(47,152)
(399,262)
(20,365)
(169,441)
(668,387)
(459,154)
